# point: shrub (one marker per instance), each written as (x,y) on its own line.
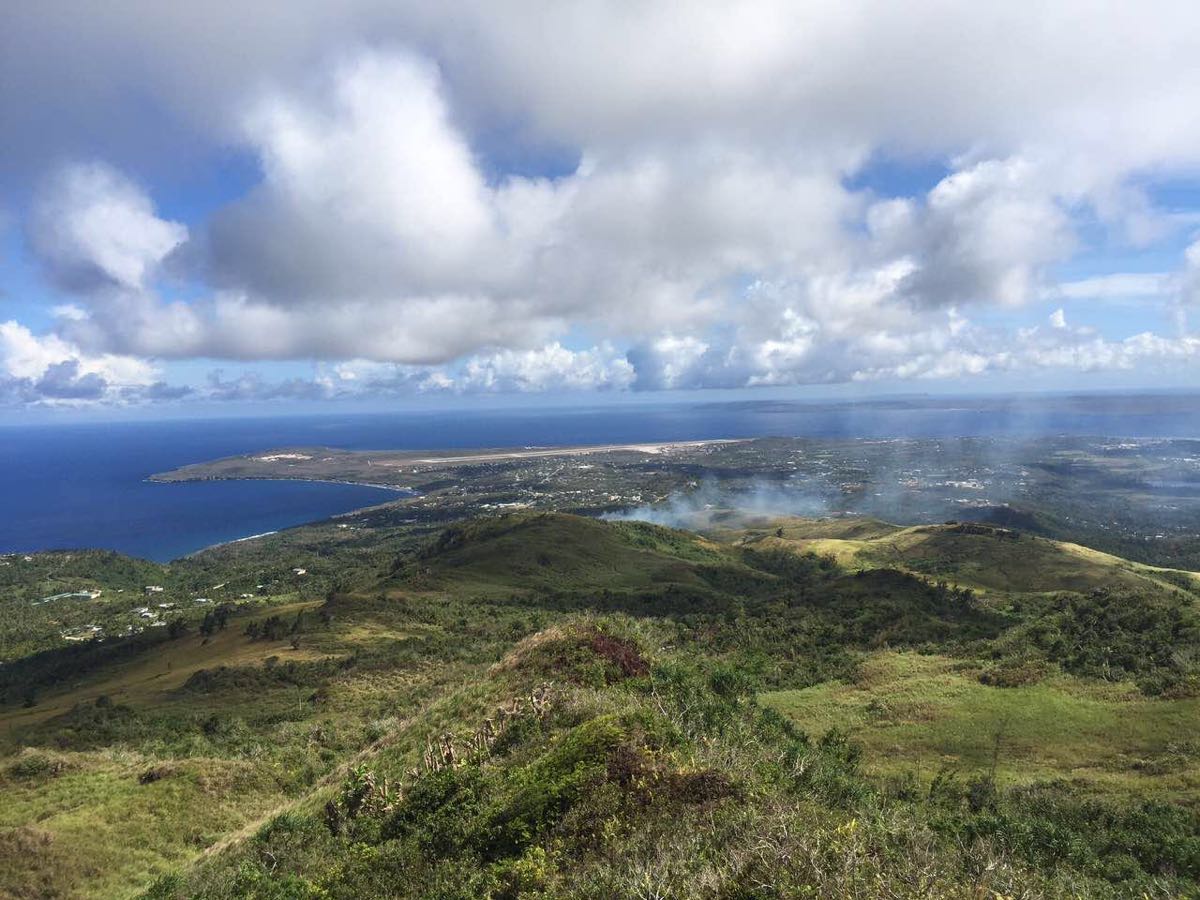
(1052,825)
(829,768)
(1015,673)
(38,764)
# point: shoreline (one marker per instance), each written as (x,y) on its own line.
(394,488)
(249,537)
(262,534)
(652,448)
(398,459)
(647,447)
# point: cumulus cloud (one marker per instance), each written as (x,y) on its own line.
(26,355)
(91,227)
(380,198)
(1057,347)
(927,75)
(546,368)
(446,192)
(1189,290)
(251,386)
(669,362)
(375,234)
(49,369)
(984,234)
(63,381)
(368,191)
(552,367)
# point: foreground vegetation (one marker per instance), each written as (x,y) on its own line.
(544,705)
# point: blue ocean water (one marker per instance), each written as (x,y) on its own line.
(83,485)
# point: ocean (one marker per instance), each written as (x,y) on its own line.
(84,485)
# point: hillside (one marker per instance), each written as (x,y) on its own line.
(546,705)
(984,557)
(538,552)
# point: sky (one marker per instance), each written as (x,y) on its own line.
(209,205)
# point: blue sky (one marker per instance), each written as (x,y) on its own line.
(256,206)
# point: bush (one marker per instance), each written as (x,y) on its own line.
(1053,825)
(37,764)
(1010,673)
(829,769)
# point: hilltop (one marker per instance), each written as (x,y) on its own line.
(981,556)
(543,704)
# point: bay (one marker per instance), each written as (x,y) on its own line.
(84,484)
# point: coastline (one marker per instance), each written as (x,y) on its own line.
(262,534)
(394,488)
(249,537)
(486,455)
(399,459)
(653,448)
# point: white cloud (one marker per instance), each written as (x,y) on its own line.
(69,312)
(26,355)
(92,227)
(1189,287)
(1113,87)
(49,369)
(1058,348)
(375,234)
(670,361)
(984,234)
(699,216)
(1089,353)
(369,190)
(1117,286)
(552,367)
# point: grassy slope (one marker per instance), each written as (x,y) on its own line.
(988,559)
(81,805)
(644,776)
(924,712)
(558,552)
(150,678)
(96,829)
(420,648)
(64,816)
(933,711)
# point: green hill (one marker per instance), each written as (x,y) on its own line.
(984,557)
(532,552)
(543,705)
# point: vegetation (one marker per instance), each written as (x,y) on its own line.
(544,705)
(982,557)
